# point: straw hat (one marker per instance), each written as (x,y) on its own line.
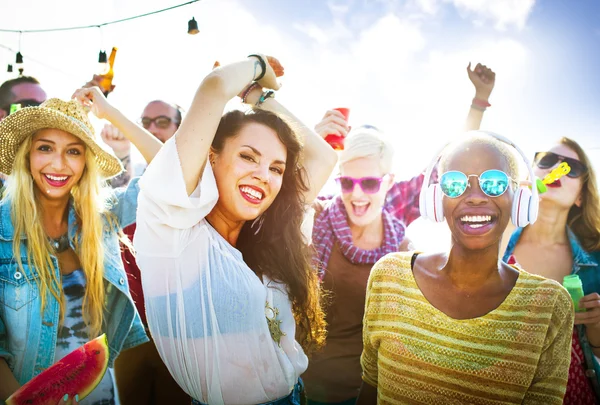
(68,116)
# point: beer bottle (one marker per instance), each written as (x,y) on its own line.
(106,82)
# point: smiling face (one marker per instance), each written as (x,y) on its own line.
(57,162)
(249,172)
(476,220)
(566,191)
(363,209)
(163,129)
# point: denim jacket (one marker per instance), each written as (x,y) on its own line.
(28,335)
(585,264)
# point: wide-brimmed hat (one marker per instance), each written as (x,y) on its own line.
(68,116)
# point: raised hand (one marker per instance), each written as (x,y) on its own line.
(274,70)
(92,98)
(333,122)
(95,82)
(483,78)
(116,140)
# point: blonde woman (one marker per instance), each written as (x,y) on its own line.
(566,240)
(355,228)
(62,281)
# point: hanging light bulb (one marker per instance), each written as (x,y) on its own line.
(19,63)
(102,63)
(193,26)
(9,69)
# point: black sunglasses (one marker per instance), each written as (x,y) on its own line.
(162,121)
(546,160)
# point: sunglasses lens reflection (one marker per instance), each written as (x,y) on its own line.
(493,182)
(454,183)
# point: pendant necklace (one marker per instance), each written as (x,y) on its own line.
(61,243)
(271,313)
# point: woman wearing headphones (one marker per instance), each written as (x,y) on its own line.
(564,241)
(462,326)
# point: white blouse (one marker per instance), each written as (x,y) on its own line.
(205,306)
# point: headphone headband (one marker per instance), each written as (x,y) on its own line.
(438,155)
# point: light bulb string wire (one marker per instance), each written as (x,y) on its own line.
(70,75)
(102,24)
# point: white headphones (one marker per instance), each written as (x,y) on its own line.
(525,202)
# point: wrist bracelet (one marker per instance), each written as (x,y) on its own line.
(481,103)
(263,66)
(478,107)
(264,96)
(248,90)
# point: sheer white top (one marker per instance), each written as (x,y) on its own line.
(205,306)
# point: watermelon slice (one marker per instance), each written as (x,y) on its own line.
(78,373)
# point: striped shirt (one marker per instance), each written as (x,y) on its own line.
(415,354)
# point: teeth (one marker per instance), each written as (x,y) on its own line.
(476,218)
(360,204)
(57,178)
(252,192)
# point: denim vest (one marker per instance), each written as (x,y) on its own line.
(585,264)
(28,334)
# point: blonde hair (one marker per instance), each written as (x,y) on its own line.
(584,221)
(509,153)
(92,214)
(365,142)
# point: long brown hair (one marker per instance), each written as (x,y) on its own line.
(584,220)
(278,250)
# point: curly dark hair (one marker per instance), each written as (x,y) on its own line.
(278,250)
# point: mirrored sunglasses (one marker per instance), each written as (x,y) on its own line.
(161,121)
(547,160)
(369,185)
(493,183)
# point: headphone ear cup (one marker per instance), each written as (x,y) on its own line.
(433,203)
(521,208)
(534,205)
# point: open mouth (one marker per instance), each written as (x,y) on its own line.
(360,208)
(56,181)
(555,184)
(251,194)
(476,224)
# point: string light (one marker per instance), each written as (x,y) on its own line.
(193,26)
(103,24)
(19,63)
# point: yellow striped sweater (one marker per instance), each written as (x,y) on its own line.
(415,354)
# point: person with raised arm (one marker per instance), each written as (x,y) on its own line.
(565,241)
(355,227)
(226,271)
(462,326)
(62,281)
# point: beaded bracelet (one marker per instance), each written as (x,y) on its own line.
(248,90)
(263,66)
(264,96)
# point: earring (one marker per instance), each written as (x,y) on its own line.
(260,220)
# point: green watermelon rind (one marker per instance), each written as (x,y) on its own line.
(47,387)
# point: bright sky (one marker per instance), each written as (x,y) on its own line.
(397,64)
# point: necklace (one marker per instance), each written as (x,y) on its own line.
(271,314)
(61,243)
